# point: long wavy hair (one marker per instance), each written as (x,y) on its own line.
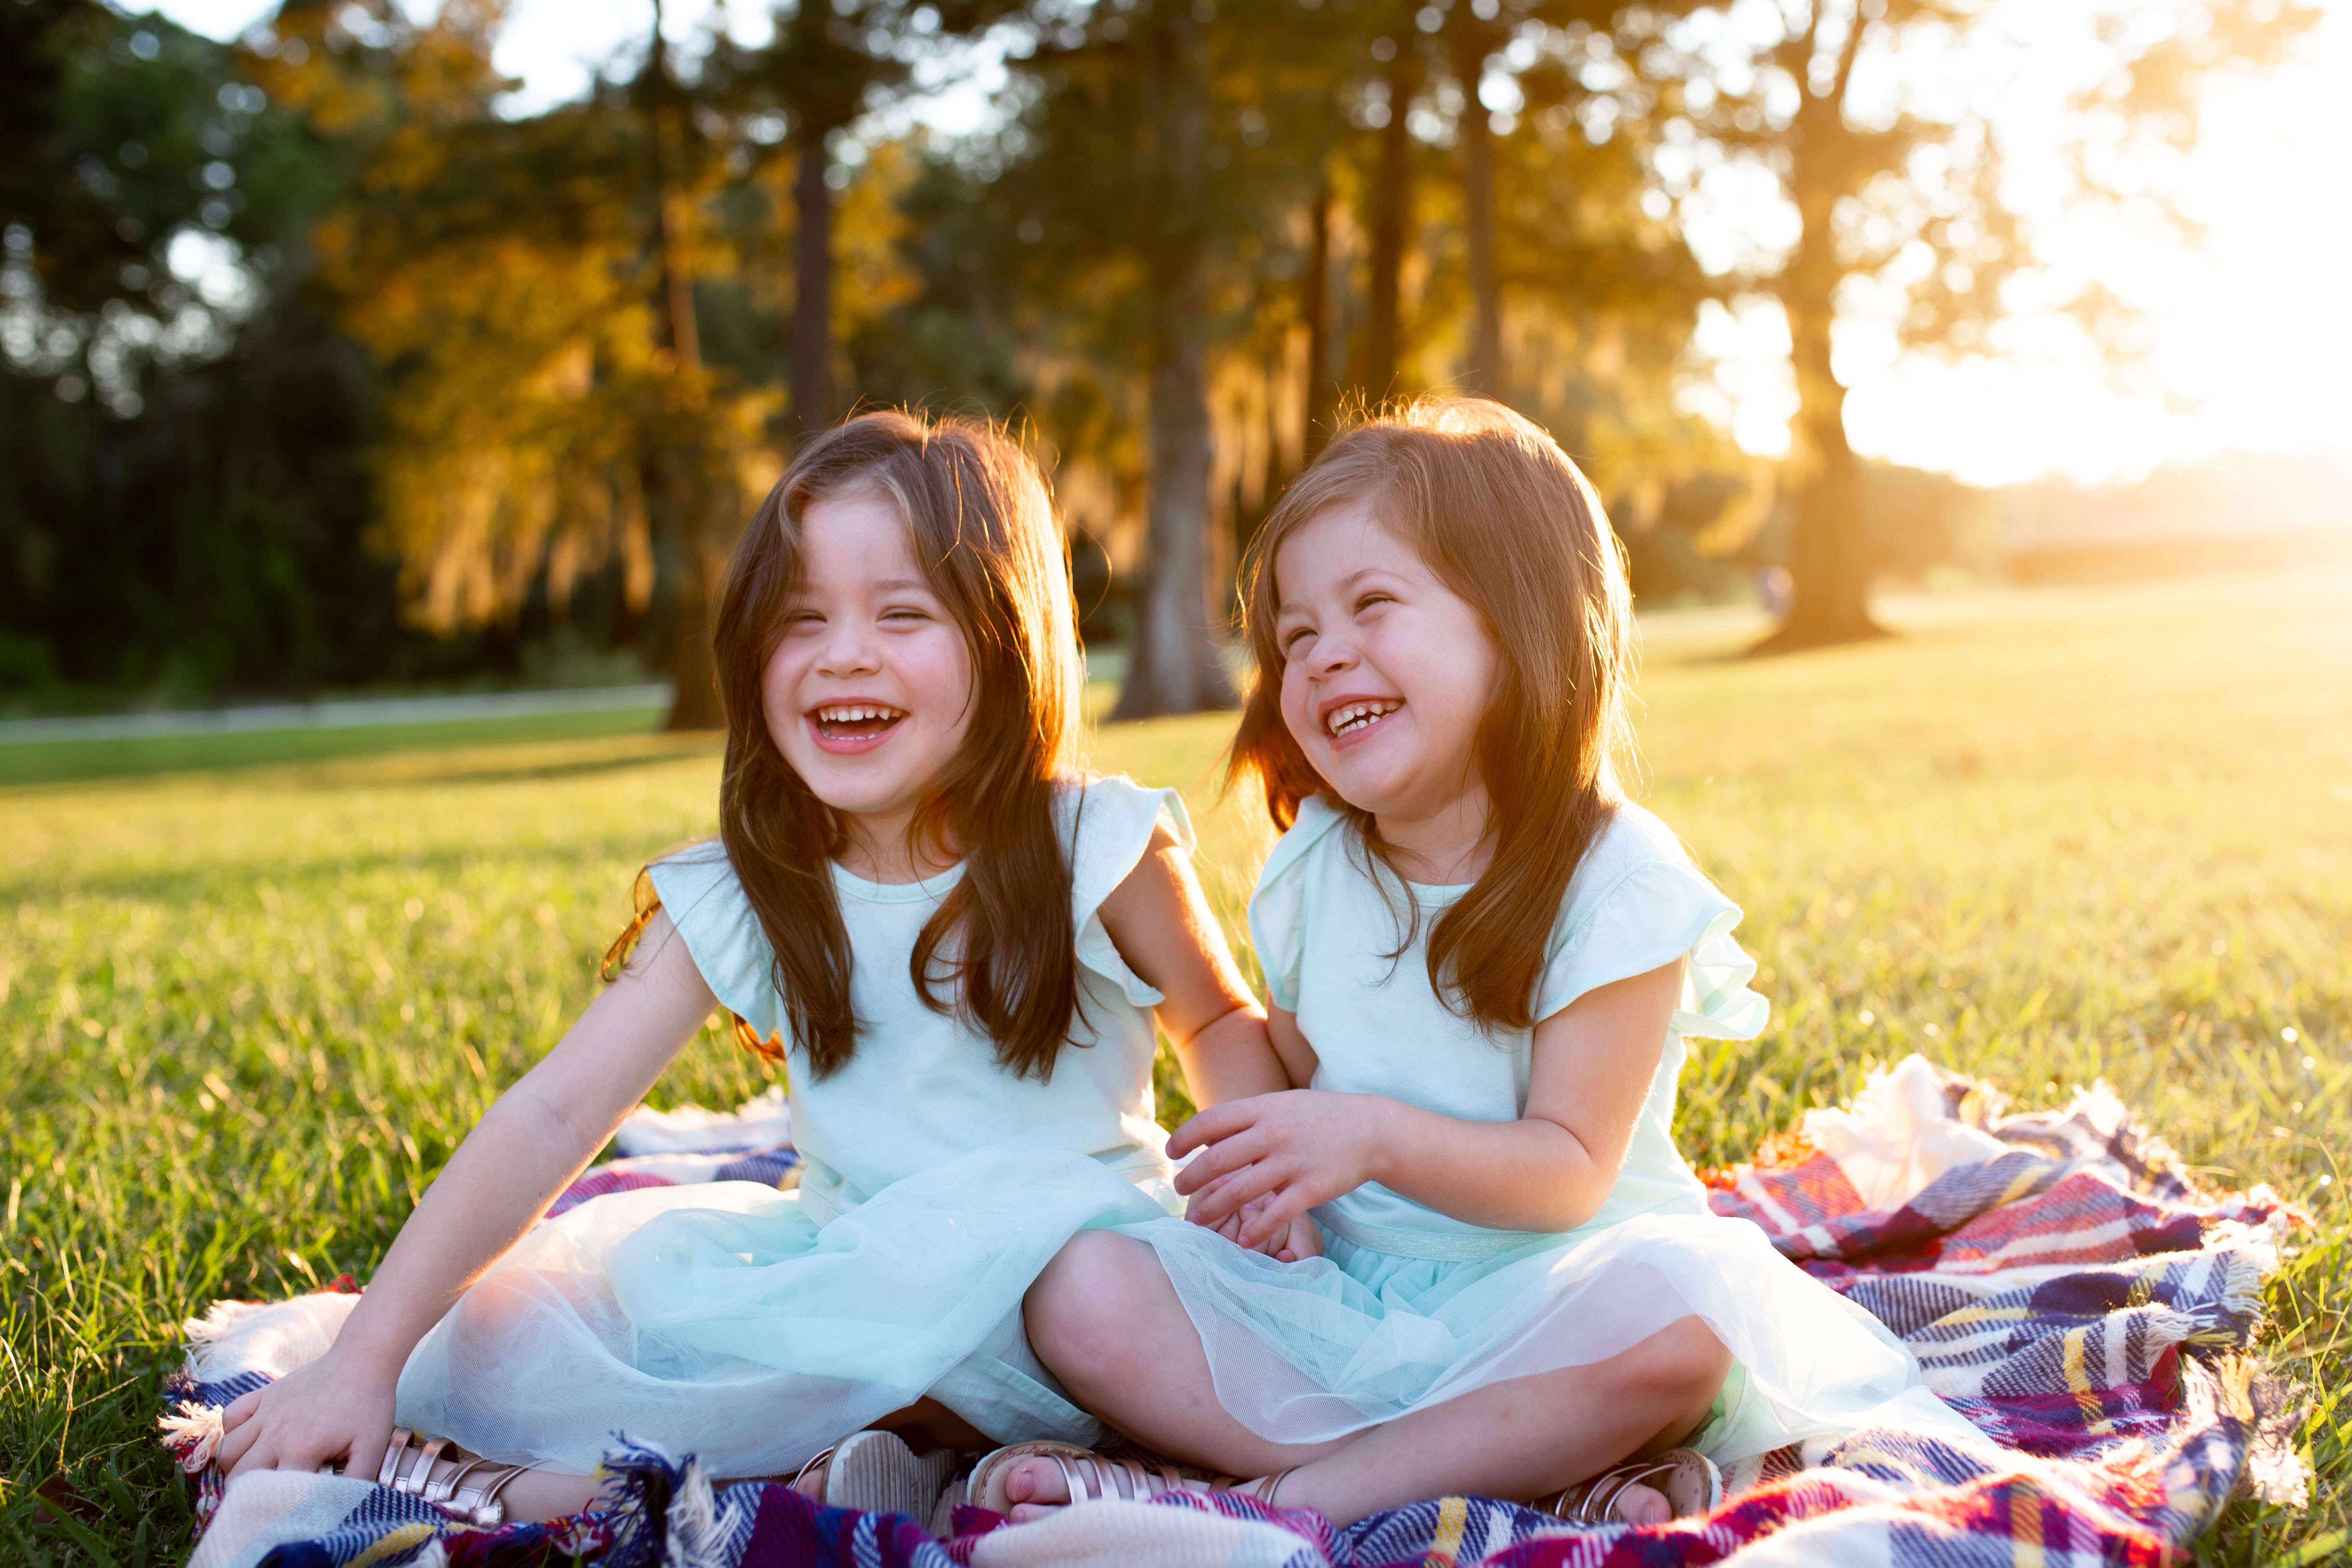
(1506,520)
(999,953)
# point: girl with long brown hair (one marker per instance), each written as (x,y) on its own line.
(1483,962)
(957,942)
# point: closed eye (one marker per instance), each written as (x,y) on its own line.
(1369,600)
(1289,640)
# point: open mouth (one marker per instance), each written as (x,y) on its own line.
(1357,717)
(852,722)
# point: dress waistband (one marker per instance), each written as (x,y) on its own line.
(825,1195)
(1435,1246)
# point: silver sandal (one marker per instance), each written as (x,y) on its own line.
(877,1471)
(1687,1478)
(476,1505)
(1089,1477)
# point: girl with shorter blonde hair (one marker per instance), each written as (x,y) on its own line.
(1483,963)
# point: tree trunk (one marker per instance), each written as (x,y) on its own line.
(813,402)
(1829,554)
(683,496)
(680,498)
(1173,665)
(1829,549)
(1391,223)
(1472,42)
(1322,389)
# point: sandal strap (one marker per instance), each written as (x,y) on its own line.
(1098,1480)
(818,1463)
(480,1505)
(1591,1502)
(395,1451)
(476,1505)
(419,1480)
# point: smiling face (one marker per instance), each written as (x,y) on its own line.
(1386,676)
(869,692)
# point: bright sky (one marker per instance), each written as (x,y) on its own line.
(2252,338)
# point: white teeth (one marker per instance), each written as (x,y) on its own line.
(1356,715)
(855,715)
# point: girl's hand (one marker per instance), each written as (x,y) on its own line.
(1303,1238)
(321,1412)
(1292,1150)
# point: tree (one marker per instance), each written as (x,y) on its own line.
(1391,201)
(528,289)
(1138,187)
(1556,57)
(818,74)
(1890,186)
(184,495)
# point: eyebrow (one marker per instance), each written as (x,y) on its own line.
(901,584)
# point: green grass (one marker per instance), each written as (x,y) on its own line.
(59,762)
(245,1014)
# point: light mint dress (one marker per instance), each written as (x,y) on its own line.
(755,1327)
(1410,1308)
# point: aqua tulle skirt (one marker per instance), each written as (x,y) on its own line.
(723,1320)
(1306,1351)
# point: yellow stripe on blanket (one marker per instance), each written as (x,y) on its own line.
(2025,1526)
(2014,1312)
(2025,1181)
(395,1544)
(2074,1360)
(1446,1540)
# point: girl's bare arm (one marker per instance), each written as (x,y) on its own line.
(527,1148)
(1162,924)
(1548,1170)
(1165,929)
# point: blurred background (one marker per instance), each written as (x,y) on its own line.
(392,348)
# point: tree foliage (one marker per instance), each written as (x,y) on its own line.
(321,367)
(1897,184)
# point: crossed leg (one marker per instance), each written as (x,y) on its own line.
(1105,1295)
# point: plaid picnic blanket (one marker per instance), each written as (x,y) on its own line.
(2065,1286)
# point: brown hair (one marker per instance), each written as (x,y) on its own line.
(983,530)
(1507,521)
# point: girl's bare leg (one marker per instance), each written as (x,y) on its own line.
(1105,1317)
(537,1495)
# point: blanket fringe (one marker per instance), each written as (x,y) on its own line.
(192,1433)
(666,1514)
(696,1538)
(2271,1406)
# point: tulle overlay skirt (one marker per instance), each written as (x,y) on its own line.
(1306,1351)
(724,1321)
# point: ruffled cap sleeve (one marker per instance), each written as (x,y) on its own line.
(699,891)
(1278,908)
(1107,825)
(1636,904)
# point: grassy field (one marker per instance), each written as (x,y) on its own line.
(245,1014)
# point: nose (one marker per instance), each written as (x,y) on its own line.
(849,650)
(1329,653)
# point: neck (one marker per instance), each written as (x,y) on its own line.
(1449,844)
(885,848)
